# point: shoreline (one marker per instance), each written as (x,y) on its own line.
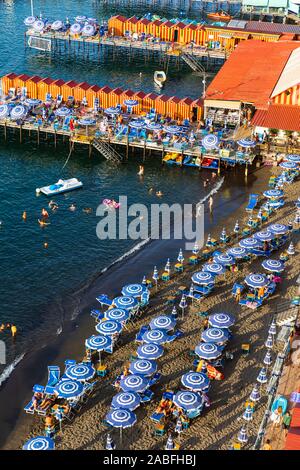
(69,344)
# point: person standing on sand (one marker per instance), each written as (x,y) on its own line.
(210,203)
(238,295)
(267,445)
(13,330)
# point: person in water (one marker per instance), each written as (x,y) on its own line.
(13,330)
(210,203)
(87,210)
(43,223)
(72,207)
(141,170)
(159,194)
(45,214)
(24,215)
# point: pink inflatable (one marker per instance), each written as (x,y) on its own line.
(111,203)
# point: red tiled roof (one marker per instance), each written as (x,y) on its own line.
(251,72)
(71,84)
(95,88)
(176,99)
(121,18)
(164,98)
(129,93)
(140,94)
(157,22)
(168,24)
(293,437)
(187,100)
(48,80)
(84,86)
(117,91)
(23,77)
(59,82)
(11,75)
(145,21)
(106,89)
(278,116)
(263,26)
(133,19)
(35,79)
(152,96)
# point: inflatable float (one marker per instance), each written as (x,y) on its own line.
(111,203)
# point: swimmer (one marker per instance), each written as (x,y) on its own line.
(2,327)
(87,210)
(43,223)
(72,207)
(141,170)
(13,330)
(210,203)
(51,204)
(24,215)
(45,213)
(150,191)
(54,207)
(159,194)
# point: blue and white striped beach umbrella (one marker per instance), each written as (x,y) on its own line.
(75,28)
(208,351)
(163,322)
(98,342)
(246,143)
(57,25)
(243,436)
(69,389)
(262,376)
(29,21)
(119,418)
(138,124)
(237,252)
(273,193)
(268,359)
(63,111)
(269,342)
(174,313)
(293,158)
(33,102)
(38,25)
(173,129)
(110,445)
(203,278)
(278,229)
(88,30)
(126,400)
(4,111)
(134,290)
(180,257)
(291,249)
(81,372)
(155,336)
(134,383)
(187,400)
(297,219)
(131,103)
(259,214)
(248,413)
(273,265)
(191,291)
(154,126)
(225,259)
(18,112)
(155,274)
(86,122)
(143,367)
(195,381)
(214,268)
(223,236)
(255,394)
(149,351)
(112,110)
(39,443)
(250,221)
(215,335)
(264,235)
(196,249)
(289,165)
(144,281)
(183,303)
(221,320)
(125,301)
(236,227)
(256,280)
(170,443)
(210,142)
(250,243)
(168,266)
(109,327)
(272,330)
(117,314)
(208,241)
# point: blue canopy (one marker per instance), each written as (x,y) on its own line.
(225,259)
(264,235)
(188,401)
(57,25)
(195,381)
(270,342)
(75,28)
(39,443)
(63,111)
(18,112)
(273,329)
(149,351)
(131,103)
(214,268)
(69,389)
(250,243)
(154,126)
(173,129)
(268,359)
(256,280)
(273,193)
(273,265)
(125,301)
(155,336)
(143,367)
(289,165)
(117,314)
(215,335)
(29,21)
(247,143)
(120,418)
(137,124)
(243,436)
(237,252)
(210,141)
(221,320)
(126,400)
(134,383)
(203,277)
(112,110)
(109,327)
(278,229)
(293,158)
(98,343)
(163,322)
(208,351)
(4,111)
(33,101)
(134,290)
(81,372)
(38,25)
(255,394)
(86,122)
(88,30)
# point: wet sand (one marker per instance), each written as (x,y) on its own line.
(216,428)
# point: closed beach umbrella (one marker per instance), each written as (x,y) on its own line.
(88,30)
(225,259)
(215,335)
(4,111)
(250,221)
(170,443)
(168,266)
(18,112)
(131,103)
(195,381)
(39,443)
(69,389)
(110,445)
(187,400)
(173,129)
(255,395)
(195,249)
(117,314)
(178,427)
(155,274)
(242,435)
(134,290)
(236,227)
(57,25)
(268,359)
(203,278)
(250,243)
(248,413)
(278,229)
(154,126)
(174,313)
(273,193)
(270,342)
(81,372)
(259,214)
(63,111)
(191,291)
(208,351)
(210,142)
(149,351)
(273,265)
(297,219)
(163,322)
(180,258)
(291,249)
(143,367)
(155,336)
(29,21)
(126,400)
(112,110)
(134,383)
(264,235)
(221,320)
(256,280)
(75,28)
(127,302)
(262,376)
(223,237)
(246,143)
(289,165)
(144,281)
(237,252)
(214,268)
(38,25)
(208,241)
(109,327)
(293,158)
(182,303)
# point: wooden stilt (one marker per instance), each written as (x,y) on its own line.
(20,133)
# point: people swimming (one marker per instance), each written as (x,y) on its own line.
(43,223)
(72,207)
(87,210)
(45,214)
(159,194)
(210,203)
(53,206)
(24,215)
(141,170)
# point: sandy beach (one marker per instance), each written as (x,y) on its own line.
(218,425)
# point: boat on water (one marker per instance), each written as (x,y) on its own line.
(219,16)
(62,186)
(160,78)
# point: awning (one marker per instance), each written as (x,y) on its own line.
(278,116)
(222,104)
(255,3)
(278,3)
(225,36)
(241,35)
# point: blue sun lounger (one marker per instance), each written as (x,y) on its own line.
(53,378)
(103,299)
(253,200)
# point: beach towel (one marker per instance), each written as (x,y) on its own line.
(213,373)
